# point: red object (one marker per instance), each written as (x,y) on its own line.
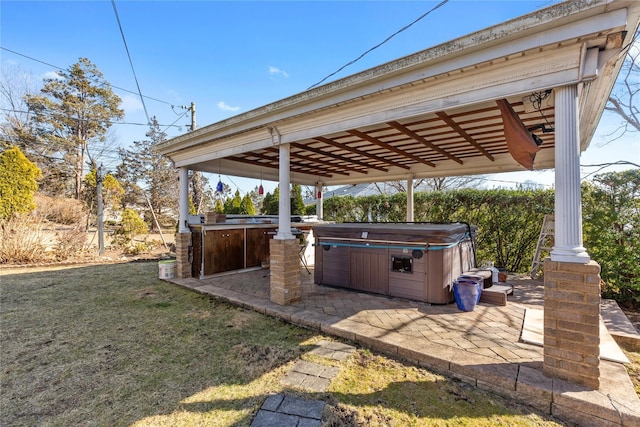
(319,195)
(260,190)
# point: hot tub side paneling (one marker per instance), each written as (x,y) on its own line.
(444,266)
(362,258)
(336,266)
(409,285)
(368,270)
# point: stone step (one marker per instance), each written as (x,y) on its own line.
(619,326)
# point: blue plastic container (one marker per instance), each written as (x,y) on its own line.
(478,279)
(467,294)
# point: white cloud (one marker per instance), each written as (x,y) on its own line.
(51,75)
(225,107)
(131,103)
(277,71)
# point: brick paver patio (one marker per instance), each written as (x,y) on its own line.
(481,347)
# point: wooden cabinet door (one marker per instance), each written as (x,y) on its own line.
(223,250)
(257,248)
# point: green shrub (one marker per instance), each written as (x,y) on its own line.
(130,225)
(611,222)
(18,183)
(137,248)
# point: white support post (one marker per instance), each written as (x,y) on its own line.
(568,204)
(410,214)
(319,205)
(284,204)
(183,201)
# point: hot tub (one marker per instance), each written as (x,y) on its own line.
(418,261)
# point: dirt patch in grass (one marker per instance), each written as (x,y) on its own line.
(112,345)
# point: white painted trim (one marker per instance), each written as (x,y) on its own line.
(284,203)
(183,200)
(568,204)
(410,210)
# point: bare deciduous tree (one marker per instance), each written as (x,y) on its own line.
(623,99)
(439,184)
(15,83)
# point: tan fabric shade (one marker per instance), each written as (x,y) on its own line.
(520,142)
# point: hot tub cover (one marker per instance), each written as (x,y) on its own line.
(428,233)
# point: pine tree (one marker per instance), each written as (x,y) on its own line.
(233,205)
(72,114)
(297,203)
(142,166)
(246,206)
(271,203)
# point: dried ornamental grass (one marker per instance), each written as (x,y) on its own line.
(61,210)
(22,240)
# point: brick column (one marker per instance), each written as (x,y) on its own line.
(285,271)
(183,266)
(572,322)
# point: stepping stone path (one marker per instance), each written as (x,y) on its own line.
(289,411)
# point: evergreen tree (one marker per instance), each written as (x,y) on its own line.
(18,183)
(256,199)
(297,203)
(73,113)
(142,165)
(270,205)
(233,205)
(246,206)
(219,206)
(112,192)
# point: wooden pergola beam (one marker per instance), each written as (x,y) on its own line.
(390,147)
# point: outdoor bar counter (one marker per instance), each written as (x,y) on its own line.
(418,261)
(233,245)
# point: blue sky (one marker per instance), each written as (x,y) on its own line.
(231,57)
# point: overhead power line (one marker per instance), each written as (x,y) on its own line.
(9,110)
(442,3)
(95,80)
(124,40)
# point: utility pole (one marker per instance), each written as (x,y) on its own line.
(193,115)
(99,178)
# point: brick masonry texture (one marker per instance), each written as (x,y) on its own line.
(285,287)
(183,266)
(571,322)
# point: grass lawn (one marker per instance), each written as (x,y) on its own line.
(111,345)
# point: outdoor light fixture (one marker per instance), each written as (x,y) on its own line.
(219,187)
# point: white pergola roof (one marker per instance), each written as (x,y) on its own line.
(432,113)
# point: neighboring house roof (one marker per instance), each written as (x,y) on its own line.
(433,113)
